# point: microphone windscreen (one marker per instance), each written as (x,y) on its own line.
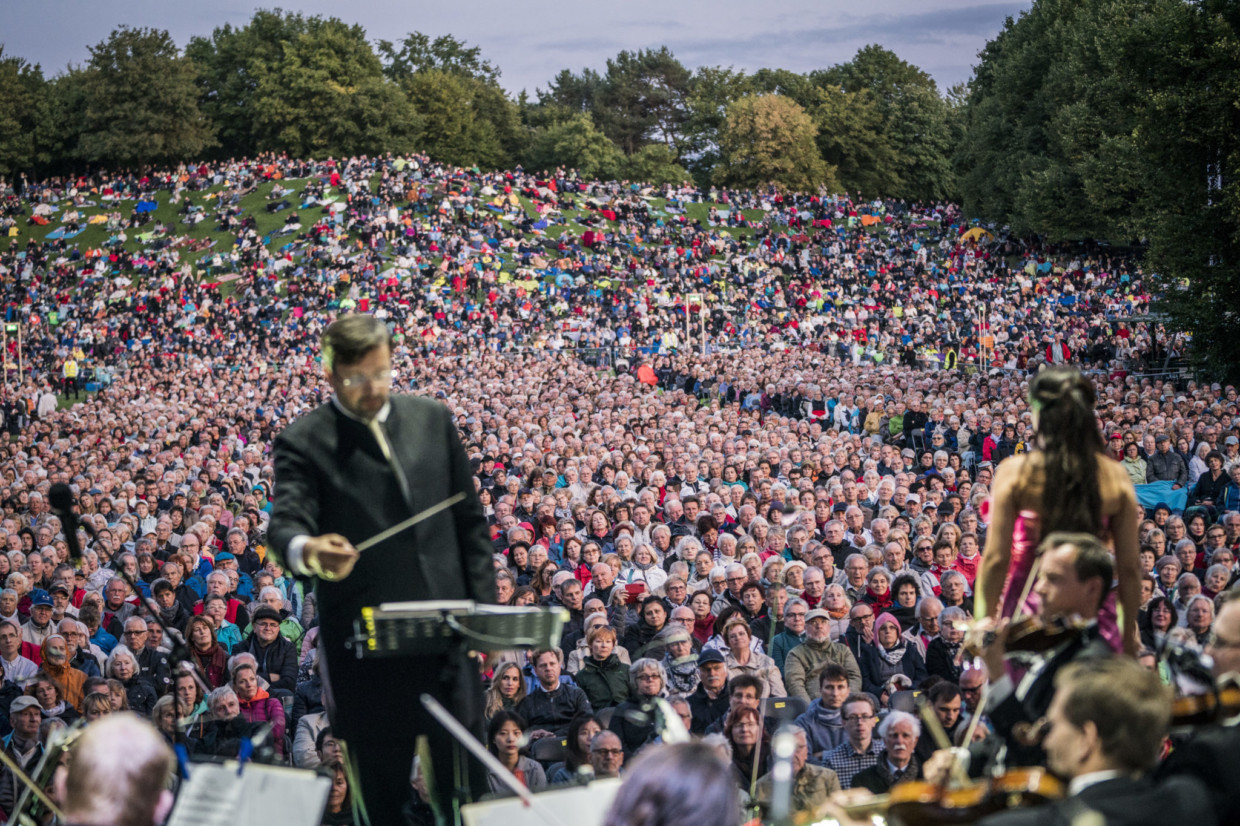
(60,498)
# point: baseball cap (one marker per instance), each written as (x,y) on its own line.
(710,655)
(1162,437)
(224,556)
(817,613)
(1231,440)
(908,453)
(61,589)
(22,703)
(40,597)
(912,497)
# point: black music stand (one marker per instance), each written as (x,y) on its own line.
(402,629)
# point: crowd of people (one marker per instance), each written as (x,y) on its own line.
(776,493)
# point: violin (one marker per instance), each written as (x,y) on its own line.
(1034,635)
(921,803)
(1026,787)
(1030,635)
(1205,709)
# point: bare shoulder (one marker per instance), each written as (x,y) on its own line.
(1114,482)
(1011,471)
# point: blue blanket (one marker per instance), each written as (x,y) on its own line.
(1152,494)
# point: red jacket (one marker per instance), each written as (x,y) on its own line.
(230,614)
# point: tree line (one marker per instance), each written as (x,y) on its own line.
(314,86)
(1119,120)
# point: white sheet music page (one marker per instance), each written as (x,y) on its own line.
(215,795)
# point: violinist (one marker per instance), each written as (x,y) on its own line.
(1102,733)
(1213,754)
(1074,578)
(1106,723)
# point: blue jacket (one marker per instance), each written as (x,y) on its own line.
(104,640)
(784,642)
(824,727)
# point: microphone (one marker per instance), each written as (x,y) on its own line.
(60,501)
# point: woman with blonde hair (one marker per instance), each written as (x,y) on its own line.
(741,659)
(507,689)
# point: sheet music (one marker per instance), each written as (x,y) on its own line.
(215,795)
(211,797)
(578,805)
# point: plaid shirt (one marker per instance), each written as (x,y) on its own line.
(847,763)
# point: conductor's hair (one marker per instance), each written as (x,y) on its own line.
(120,770)
(349,338)
(677,783)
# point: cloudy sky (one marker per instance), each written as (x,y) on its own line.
(532,40)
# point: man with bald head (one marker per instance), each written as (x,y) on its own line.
(119,774)
(606,755)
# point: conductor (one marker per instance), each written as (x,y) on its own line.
(345,472)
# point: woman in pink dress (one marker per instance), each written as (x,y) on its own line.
(1067,483)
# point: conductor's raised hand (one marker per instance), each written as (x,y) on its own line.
(330,556)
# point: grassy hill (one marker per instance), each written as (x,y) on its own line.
(255,204)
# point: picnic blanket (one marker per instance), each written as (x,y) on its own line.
(1156,493)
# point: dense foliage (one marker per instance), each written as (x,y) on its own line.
(316,87)
(1120,120)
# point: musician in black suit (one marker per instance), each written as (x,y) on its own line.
(1107,724)
(1213,752)
(345,472)
(1074,577)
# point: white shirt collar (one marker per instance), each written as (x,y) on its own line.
(1082,782)
(894,768)
(382,415)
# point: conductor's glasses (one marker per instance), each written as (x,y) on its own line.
(358,379)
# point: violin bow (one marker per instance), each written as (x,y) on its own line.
(1024,593)
(977,714)
(939,735)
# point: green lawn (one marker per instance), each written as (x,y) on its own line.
(254,204)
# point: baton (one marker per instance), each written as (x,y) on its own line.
(410,522)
